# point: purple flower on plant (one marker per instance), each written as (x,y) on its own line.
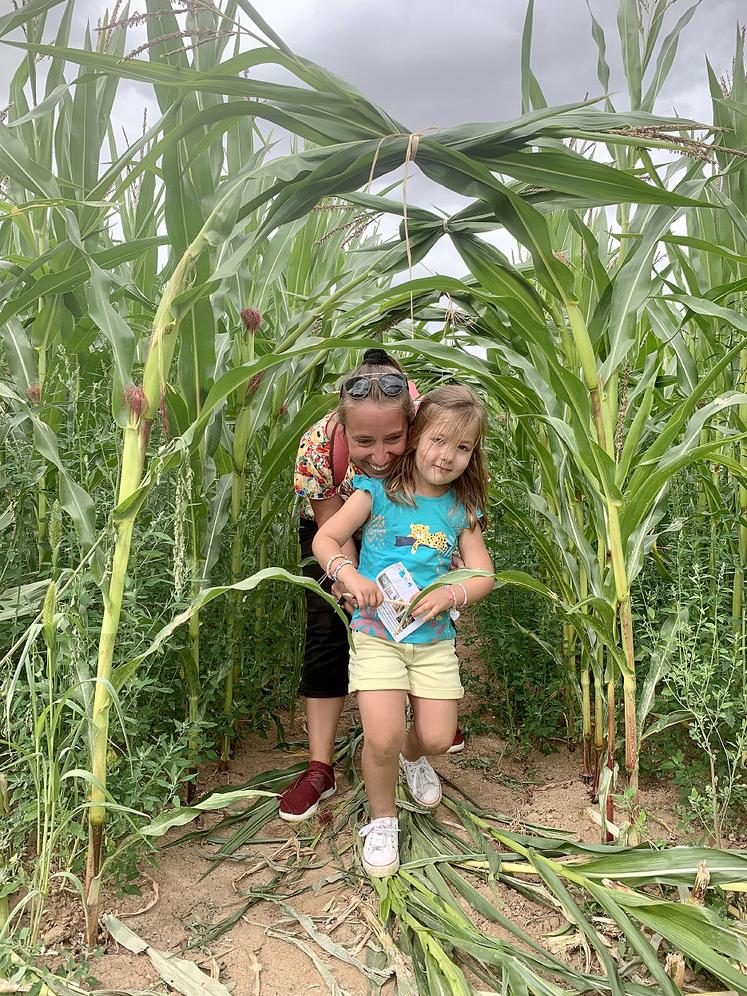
(251,318)
(134,397)
(253,384)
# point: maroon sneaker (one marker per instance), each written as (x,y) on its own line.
(458,744)
(301,799)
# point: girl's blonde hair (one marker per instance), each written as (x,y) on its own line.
(375,361)
(465,412)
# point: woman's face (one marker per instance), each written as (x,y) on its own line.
(376,435)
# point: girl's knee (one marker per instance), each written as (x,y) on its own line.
(436,741)
(383,744)
(438,744)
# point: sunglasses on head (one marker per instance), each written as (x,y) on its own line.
(390,384)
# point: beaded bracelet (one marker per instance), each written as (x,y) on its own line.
(452,595)
(332,559)
(336,570)
(464,592)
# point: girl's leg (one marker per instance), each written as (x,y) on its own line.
(383,717)
(434,724)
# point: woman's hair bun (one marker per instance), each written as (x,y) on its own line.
(377,356)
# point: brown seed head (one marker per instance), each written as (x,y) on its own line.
(253,384)
(33,393)
(251,318)
(135,399)
(164,416)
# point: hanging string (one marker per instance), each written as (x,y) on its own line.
(413,143)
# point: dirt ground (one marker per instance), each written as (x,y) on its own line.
(257,954)
(266,952)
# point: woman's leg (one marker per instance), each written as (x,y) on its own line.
(322,720)
(324,674)
(433,727)
(383,717)
(324,683)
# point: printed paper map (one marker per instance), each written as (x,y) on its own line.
(398,584)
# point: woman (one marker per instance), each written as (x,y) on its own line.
(372,420)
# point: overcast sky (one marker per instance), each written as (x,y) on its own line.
(441,63)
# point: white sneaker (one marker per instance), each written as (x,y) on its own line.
(422,781)
(381,849)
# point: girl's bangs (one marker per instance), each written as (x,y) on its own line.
(457,424)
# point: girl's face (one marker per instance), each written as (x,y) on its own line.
(377,436)
(441,455)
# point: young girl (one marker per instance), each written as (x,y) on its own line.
(427,507)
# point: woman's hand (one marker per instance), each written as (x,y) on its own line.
(367,594)
(436,602)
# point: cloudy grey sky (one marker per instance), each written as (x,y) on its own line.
(441,63)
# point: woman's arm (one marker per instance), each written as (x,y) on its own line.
(333,534)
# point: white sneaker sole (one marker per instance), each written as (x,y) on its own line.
(298,817)
(456,748)
(381,871)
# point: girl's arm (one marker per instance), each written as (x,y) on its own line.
(476,557)
(330,540)
(323,509)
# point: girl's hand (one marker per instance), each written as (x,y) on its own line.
(367,594)
(338,589)
(433,605)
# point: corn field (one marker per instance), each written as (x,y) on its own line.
(175,311)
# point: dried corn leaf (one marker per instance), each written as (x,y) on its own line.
(332,984)
(179,973)
(333,948)
(148,906)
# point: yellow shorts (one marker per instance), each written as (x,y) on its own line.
(428,670)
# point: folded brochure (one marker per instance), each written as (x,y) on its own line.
(398,584)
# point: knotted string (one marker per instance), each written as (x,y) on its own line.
(413,143)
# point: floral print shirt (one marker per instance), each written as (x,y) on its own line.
(313,480)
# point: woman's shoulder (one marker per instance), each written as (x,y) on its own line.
(313,476)
(317,435)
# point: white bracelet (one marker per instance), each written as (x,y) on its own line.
(336,571)
(332,559)
(464,592)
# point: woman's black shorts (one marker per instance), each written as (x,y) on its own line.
(324,672)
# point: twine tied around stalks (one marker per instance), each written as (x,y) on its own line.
(413,143)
